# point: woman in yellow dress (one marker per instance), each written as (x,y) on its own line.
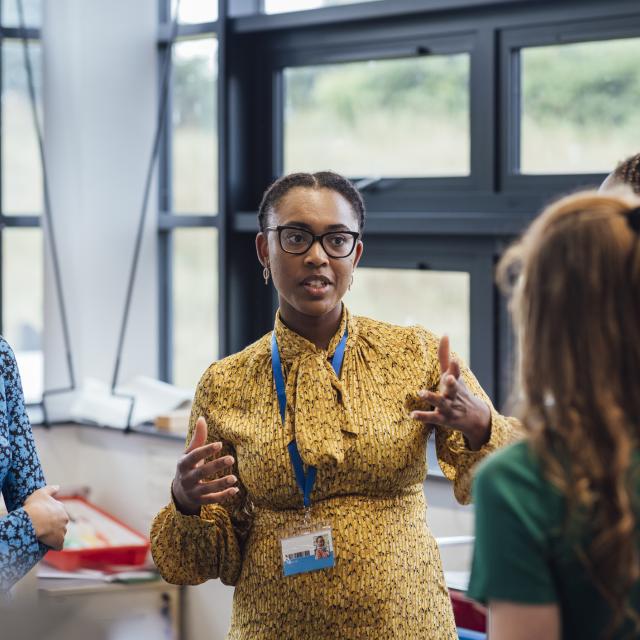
(320,428)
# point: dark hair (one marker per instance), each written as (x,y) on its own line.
(318,180)
(628,172)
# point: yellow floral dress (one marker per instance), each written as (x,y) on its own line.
(387,581)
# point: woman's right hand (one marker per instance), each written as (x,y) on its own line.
(48,516)
(190,489)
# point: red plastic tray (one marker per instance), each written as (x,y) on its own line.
(72,559)
(467,613)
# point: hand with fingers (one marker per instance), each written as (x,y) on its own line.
(454,406)
(191,487)
(48,516)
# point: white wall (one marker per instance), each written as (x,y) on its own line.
(100,89)
(100,100)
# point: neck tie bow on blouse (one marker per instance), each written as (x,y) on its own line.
(318,412)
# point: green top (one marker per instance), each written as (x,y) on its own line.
(522,553)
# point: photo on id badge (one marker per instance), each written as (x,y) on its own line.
(308,551)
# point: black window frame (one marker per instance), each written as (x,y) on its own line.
(168,220)
(401,46)
(481,213)
(512,42)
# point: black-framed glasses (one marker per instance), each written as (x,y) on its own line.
(336,244)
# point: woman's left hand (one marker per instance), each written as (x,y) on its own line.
(454,406)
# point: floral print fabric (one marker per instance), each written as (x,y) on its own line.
(20,475)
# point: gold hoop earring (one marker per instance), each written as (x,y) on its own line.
(265,274)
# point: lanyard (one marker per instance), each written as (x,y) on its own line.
(305,481)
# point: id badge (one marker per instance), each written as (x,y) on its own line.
(308,549)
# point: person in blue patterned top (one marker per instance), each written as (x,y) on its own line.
(35,521)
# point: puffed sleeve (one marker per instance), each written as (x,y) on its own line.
(193,549)
(20,550)
(456,460)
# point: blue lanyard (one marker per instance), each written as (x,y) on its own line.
(305,481)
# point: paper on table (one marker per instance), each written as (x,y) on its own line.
(47,571)
(95,403)
(458,580)
(154,397)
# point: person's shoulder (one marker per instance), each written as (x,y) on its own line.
(7,355)
(514,459)
(5,347)
(515,467)
(238,365)
(413,348)
(368,325)
(254,353)
(512,495)
(403,343)
(377,330)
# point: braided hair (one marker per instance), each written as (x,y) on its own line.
(318,180)
(628,172)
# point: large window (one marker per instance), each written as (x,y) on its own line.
(579,106)
(393,118)
(21,266)
(189,199)
(459,121)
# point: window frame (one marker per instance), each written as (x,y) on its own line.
(484,214)
(512,42)
(168,220)
(404,44)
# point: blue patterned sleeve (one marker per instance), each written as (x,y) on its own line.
(20,475)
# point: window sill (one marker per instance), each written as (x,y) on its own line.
(146,429)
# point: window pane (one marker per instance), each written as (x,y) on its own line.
(21,168)
(195,161)
(580,106)
(282,6)
(348,117)
(195,303)
(193,11)
(442,305)
(32,13)
(22,310)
